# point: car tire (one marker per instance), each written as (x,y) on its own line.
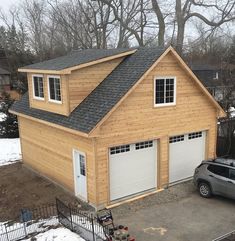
(205,189)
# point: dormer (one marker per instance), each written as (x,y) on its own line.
(59,85)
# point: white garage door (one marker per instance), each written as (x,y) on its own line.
(186,153)
(133,168)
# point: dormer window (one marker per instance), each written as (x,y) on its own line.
(164,91)
(38,91)
(54,89)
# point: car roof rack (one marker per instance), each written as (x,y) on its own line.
(225,161)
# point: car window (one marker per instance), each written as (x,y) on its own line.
(219,170)
(232,174)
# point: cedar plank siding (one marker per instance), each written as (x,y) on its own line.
(83,81)
(136,119)
(45,104)
(49,151)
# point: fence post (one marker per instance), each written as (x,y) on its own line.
(6,231)
(70,212)
(25,230)
(57,210)
(93,230)
(23,220)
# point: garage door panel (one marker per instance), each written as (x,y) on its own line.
(186,153)
(133,171)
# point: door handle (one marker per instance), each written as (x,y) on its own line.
(78,176)
(211,175)
(230,182)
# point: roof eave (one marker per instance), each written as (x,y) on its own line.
(39,71)
(80,66)
(72,131)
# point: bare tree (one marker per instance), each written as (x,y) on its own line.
(224,11)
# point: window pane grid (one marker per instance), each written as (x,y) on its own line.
(144,144)
(119,149)
(82,165)
(174,139)
(38,86)
(164,91)
(54,85)
(194,135)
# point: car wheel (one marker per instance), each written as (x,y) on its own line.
(205,190)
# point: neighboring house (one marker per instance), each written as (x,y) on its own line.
(5,80)
(211,77)
(112,124)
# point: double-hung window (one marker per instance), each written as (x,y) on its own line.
(54,88)
(164,91)
(38,91)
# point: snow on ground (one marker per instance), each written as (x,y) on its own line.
(59,234)
(47,230)
(3,116)
(10,151)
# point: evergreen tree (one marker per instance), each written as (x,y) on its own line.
(8,126)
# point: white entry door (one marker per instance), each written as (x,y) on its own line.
(133,169)
(186,152)
(80,182)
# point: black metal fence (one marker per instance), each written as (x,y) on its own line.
(33,221)
(29,222)
(83,223)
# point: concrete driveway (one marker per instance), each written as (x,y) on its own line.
(177,214)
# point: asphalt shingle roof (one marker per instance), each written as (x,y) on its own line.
(76,57)
(103,98)
(4,71)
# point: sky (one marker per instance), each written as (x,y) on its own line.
(6,4)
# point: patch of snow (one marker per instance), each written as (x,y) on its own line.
(231,111)
(3,116)
(59,234)
(84,223)
(31,226)
(10,151)
(47,230)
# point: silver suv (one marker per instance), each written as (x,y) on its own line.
(216,177)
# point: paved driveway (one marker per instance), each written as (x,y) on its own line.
(178,214)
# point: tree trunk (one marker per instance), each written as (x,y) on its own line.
(161,22)
(180,26)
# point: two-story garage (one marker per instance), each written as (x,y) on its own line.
(112,124)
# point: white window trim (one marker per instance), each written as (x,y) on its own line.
(37,97)
(48,87)
(154,99)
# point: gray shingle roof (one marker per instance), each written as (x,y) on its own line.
(103,98)
(76,57)
(4,71)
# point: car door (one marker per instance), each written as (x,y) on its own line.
(219,176)
(231,183)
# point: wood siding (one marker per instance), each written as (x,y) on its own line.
(83,81)
(60,108)
(137,119)
(49,151)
